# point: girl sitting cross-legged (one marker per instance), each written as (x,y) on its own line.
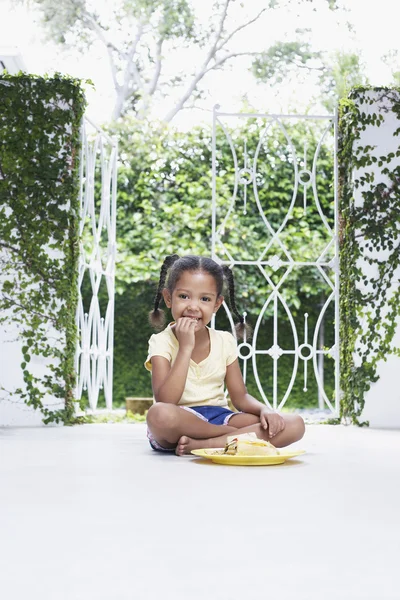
(190,363)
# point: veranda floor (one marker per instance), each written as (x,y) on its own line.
(91,512)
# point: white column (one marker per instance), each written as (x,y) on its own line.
(382,401)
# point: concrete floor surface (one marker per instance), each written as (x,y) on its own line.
(92,513)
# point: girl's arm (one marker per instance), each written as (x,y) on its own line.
(238,394)
(169,382)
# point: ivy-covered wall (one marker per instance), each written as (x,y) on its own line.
(40,121)
(369,179)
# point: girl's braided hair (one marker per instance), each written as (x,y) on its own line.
(171,270)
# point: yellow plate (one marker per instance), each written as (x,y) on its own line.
(228,459)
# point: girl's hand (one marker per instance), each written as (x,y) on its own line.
(271,421)
(184,330)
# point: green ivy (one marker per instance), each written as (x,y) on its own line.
(363,297)
(40,121)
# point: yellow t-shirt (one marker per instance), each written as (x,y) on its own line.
(205,381)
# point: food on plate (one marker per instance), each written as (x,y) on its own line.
(248,444)
(245,444)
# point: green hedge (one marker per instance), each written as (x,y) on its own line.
(164,206)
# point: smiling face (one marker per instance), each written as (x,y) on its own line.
(195,296)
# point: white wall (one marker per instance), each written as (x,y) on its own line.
(382,401)
(13,411)
(12,60)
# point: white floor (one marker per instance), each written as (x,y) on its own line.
(91,512)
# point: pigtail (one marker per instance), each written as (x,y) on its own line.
(157,315)
(242,327)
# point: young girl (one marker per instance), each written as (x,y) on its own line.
(190,363)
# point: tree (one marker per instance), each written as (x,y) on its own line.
(336,72)
(392,60)
(139,35)
(342,71)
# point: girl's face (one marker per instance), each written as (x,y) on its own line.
(195,296)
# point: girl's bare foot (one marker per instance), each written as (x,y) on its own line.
(186,444)
(293,431)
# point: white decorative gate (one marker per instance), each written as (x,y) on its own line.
(95,321)
(240,197)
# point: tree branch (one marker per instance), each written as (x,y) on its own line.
(152,86)
(221,61)
(200,73)
(126,90)
(130,65)
(131,71)
(305,66)
(221,23)
(157,70)
(94,26)
(235,31)
(9,247)
(28,309)
(210,55)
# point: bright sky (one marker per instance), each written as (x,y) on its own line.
(375,33)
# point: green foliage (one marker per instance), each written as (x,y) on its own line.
(338,72)
(171,18)
(392,60)
(164,206)
(274,64)
(139,37)
(39,210)
(343,72)
(368,234)
(164,203)
(164,198)
(132,333)
(115,417)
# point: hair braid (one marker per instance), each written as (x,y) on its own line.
(242,326)
(157,316)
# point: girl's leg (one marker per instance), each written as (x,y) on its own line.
(243,420)
(293,432)
(168,422)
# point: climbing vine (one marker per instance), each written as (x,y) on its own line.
(40,121)
(369,244)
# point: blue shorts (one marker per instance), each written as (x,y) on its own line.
(217,415)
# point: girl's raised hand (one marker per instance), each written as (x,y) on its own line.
(271,421)
(184,330)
